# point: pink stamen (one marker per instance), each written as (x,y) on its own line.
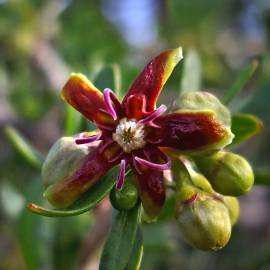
(108,102)
(88,139)
(121,175)
(155,114)
(154,166)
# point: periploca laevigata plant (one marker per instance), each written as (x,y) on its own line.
(137,135)
(132,132)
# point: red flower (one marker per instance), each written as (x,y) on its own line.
(132,133)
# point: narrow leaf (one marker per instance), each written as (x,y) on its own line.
(244,76)
(137,252)
(73,121)
(245,126)
(191,77)
(27,151)
(117,81)
(118,247)
(89,200)
(262,177)
(109,76)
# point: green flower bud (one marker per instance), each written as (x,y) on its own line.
(229,174)
(233,206)
(204,223)
(124,199)
(62,160)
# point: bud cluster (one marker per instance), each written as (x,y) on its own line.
(207,186)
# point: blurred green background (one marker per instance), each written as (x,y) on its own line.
(42,41)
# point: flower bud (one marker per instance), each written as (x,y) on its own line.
(229,174)
(232,205)
(204,223)
(62,160)
(124,199)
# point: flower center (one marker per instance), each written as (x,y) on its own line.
(129,134)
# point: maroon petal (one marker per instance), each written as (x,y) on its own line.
(64,193)
(81,94)
(189,131)
(151,81)
(150,181)
(152,191)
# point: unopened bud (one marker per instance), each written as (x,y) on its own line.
(124,199)
(62,160)
(230,174)
(204,223)
(232,205)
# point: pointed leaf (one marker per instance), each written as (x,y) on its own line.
(137,252)
(118,248)
(88,201)
(109,76)
(27,151)
(245,126)
(191,76)
(244,76)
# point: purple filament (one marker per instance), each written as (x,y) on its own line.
(121,175)
(108,103)
(155,114)
(154,166)
(88,139)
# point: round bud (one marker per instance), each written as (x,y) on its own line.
(124,199)
(205,223)
(233,206)
(230,174)
(62,160)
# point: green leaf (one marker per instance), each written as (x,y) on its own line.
(244,76)
(191,77)
(118,247)
(89,200)
(109,76)
(117,81)
(245,126)
(262,177)
(27,151)
(73,121)
(137,252)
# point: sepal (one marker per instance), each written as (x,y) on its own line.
(204,223)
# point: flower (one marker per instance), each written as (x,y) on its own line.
(133,132)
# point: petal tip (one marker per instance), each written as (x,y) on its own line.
(178,54)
